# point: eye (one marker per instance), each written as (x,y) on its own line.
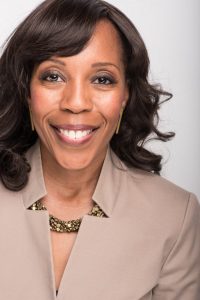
(51,77)
(104,80)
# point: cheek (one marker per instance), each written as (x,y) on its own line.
(109,106)
(112,112)
(42,101)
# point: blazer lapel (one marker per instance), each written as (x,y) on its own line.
(80,272)
(26,266)
(38,240)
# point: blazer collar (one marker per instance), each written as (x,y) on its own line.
(35,188)
(106,191)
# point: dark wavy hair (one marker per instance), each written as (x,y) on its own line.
(63,28)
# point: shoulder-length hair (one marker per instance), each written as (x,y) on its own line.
(63,28)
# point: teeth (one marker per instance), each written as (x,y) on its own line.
(72,134)
(75,134)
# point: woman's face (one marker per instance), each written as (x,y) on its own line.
(76,101)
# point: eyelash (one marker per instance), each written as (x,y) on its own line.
(107,80)
(44,77)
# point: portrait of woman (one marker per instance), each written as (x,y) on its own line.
(85,214)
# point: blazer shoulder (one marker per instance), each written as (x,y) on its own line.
(9,199)
(157,187)
(160,206)
(157,197)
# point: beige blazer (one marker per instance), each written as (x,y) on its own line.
(147,248)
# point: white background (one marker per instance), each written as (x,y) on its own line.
(171,31)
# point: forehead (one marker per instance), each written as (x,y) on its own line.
(105,26)
(106,33)
(105,43)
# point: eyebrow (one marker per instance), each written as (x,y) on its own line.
(95,65)
(57,61)
(103,64)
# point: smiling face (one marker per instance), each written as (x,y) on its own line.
(76,101)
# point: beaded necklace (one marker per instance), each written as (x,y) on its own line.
(66,226)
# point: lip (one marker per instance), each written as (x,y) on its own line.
(75,127)
(71,141)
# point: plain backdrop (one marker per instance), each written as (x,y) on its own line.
(171,31)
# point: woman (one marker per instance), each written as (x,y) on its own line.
(84,211)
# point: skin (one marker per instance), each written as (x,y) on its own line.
(70,91)
(76,91)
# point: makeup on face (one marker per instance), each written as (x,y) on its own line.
(76,101)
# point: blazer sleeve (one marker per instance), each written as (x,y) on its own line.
(180,274)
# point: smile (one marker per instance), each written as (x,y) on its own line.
(75,134)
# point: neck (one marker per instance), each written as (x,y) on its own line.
(70,188)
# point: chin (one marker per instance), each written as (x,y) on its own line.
(74,165)
(74,161)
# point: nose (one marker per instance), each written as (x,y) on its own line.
(76,98)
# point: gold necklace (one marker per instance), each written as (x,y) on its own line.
(66,226)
